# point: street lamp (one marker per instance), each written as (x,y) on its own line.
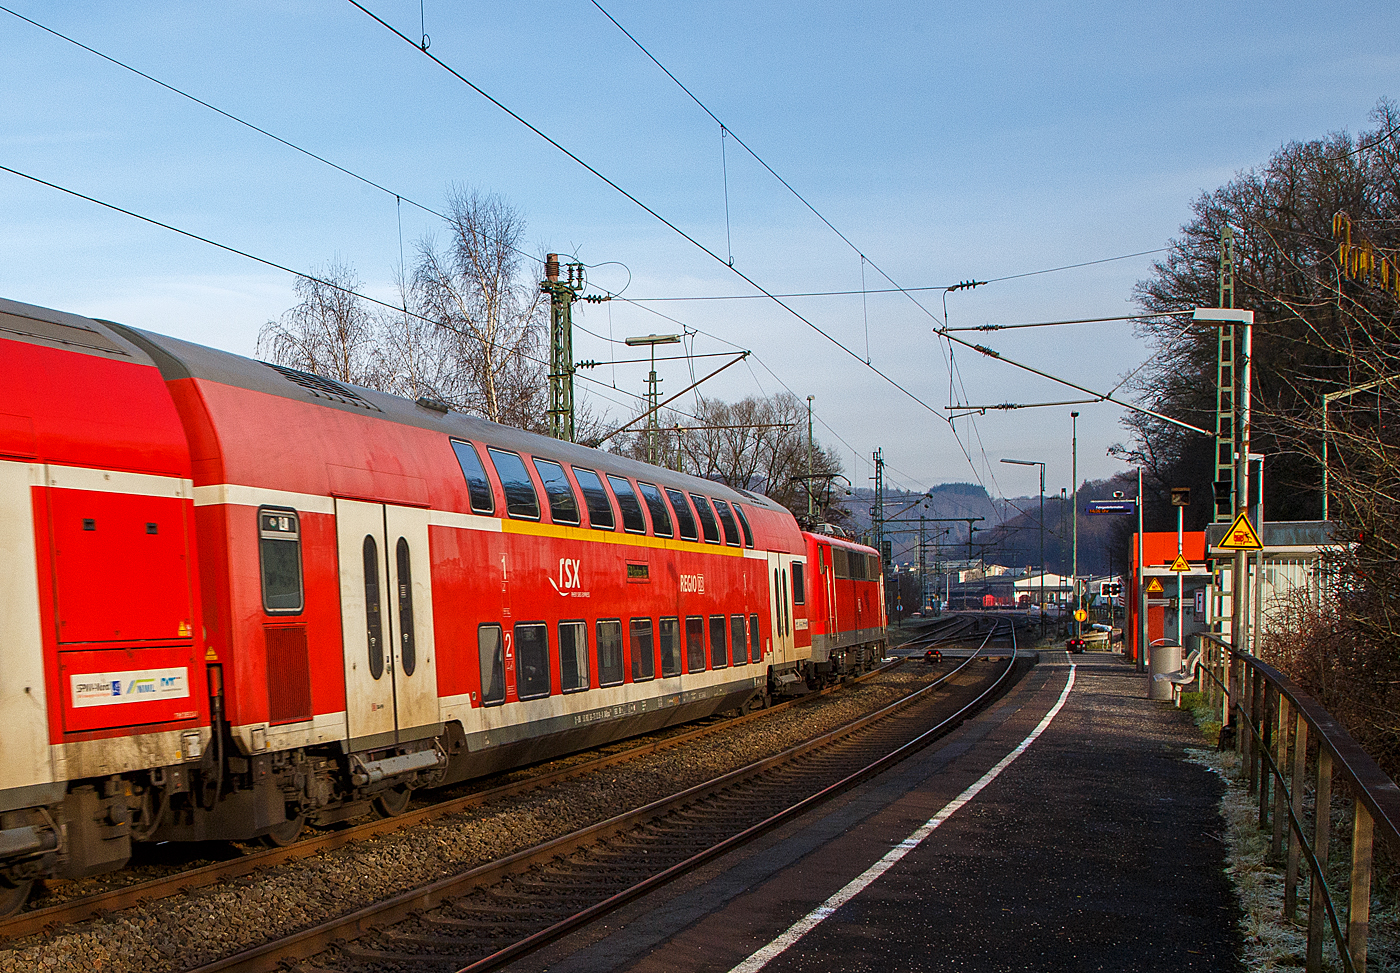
(1327,400)
(1074,496)
(1032,462)
(651,341)
(1239,584)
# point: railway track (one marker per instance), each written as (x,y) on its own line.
(490,915)
(180,880)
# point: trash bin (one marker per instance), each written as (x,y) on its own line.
(1164,659)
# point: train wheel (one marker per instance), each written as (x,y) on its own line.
(285,833)
(392,803)
(13,897)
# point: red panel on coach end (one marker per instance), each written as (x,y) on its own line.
(107,688)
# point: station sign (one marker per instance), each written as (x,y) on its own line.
(1099,508)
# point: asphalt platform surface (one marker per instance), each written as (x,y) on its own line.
(1099,847)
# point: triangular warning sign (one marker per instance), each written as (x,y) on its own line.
(209,655)
(1154,587)
(1180,564)
(1241,536)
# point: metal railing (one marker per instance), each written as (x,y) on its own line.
(1275,722)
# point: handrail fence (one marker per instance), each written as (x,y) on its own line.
(1275,722)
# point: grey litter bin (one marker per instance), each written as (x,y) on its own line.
(1164,659)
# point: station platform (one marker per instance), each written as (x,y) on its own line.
(1063,829)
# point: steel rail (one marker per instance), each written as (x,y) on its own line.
(45,919)
(272,956)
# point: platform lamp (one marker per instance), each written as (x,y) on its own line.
(651,341)
(1033,462)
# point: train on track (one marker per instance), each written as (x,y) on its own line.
(237,598)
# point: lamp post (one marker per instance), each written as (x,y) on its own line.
(651,341)
(1074,513)
(1239,585)
(1327,400)
(1032,462)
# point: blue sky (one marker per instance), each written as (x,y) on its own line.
(946,141)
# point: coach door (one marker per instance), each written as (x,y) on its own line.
(386,620)
(780,606)
(828,583)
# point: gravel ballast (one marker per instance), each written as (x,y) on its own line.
(205,924)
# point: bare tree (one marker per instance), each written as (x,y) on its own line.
(757,444)
(331,331)
(473,286)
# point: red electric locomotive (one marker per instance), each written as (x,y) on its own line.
(239,598)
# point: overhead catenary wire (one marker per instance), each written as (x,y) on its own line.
(922,288)
(646,208)
(398,196)
(289,270)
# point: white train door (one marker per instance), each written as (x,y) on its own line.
(386,622)
(780,607)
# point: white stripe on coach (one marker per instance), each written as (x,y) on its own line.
(811,920)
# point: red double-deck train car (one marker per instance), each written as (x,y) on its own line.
(239,597)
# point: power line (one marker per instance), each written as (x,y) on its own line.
(288,270)
(653,213)
(398,196)
(901,290)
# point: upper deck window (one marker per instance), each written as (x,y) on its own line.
(707,519)
(685,522)
(660,516)
(731,530)
(744,522)
(632,520)
(563,505)
(595,497)
(521,499)
(475,475)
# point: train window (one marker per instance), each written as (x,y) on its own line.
(408,654)
(610,652)
(744,522)
(669,637)
(279,551)
(595,497)
(787,619)
(731,530)
(632,520)
(660,517)
(643,657)
(563,505)
(707,519)
(493,665)
(755,646)
(738,646)
(799,583)
(573,656)
(694,644)
(521,499)
(719,649)
(374,625)
(478,487)
(531,660)
(872,567)
(685,523)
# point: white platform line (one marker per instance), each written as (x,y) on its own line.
(811,920)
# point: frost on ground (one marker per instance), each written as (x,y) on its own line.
(1272,942)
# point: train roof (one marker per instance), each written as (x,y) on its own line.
(179,359)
